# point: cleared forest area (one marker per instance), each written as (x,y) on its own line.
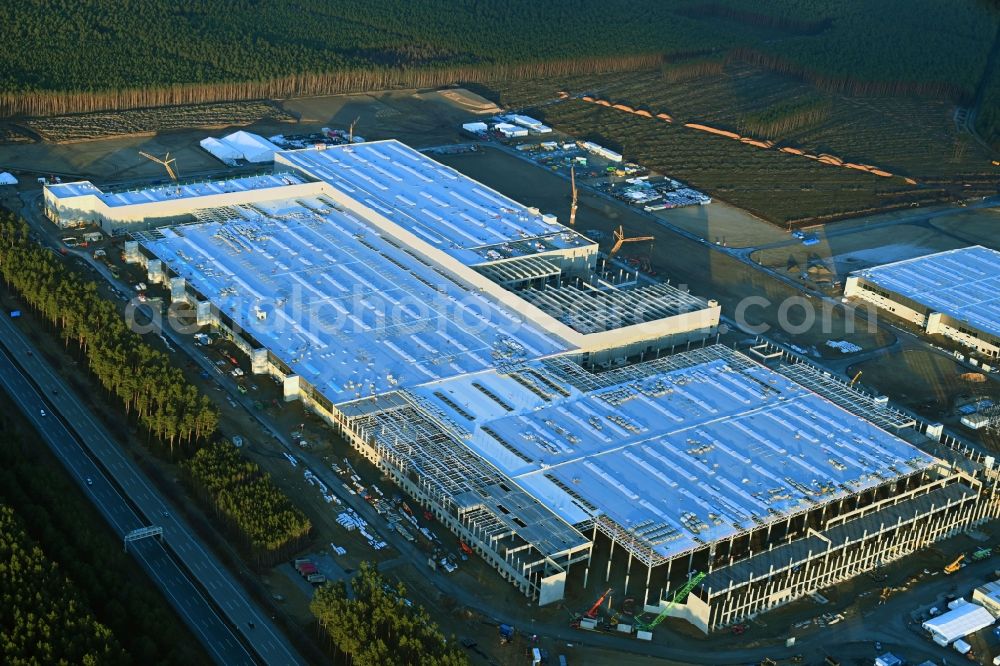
(911,137)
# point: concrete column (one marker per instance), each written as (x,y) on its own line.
(611,557)
(645,594)
(178,290)
(851,286)
(933,322)
(291,388)
(131,252)
(154,271)
(258,361)
(204,313)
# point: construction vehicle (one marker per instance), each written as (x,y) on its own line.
(855,379)
(620,240)
(506,633)
(592,613)
(167,163)
(956,565)
(981,554)
(678,597)
(572,207)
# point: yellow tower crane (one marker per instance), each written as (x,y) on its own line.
(620,240)
(166,162)
(572,207)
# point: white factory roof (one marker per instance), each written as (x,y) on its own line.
(452,212)
(350,311)
(963,284)
(965,619)
(682,450)
(172,192)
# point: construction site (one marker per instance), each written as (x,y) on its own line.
(570,419)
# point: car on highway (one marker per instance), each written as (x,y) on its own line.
(90,481)
(41,412)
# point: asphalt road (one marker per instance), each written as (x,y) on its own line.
(189,603)
(204,568)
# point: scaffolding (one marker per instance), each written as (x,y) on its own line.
(568,368)
(792,570)
(423,448)
(853,400)
(516,272)
(587,309)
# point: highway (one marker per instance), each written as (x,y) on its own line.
(69,422)
(189,603)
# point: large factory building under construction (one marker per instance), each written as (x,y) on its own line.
(568,419)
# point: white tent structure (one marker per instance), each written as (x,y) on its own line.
(7,178)
(241,146)
(223,151)
(963,620)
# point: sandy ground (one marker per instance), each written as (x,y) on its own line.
(418,118)
(924,381)
(721,223)
(863,249)
(981,227)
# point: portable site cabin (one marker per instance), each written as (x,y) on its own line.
(475,128)
(888,659)
(510,131)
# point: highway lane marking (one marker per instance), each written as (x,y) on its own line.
(69,451)
(170,590)
(104,448)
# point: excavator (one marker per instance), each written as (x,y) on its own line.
(679,597)
(956,565)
